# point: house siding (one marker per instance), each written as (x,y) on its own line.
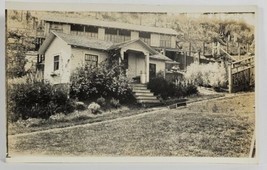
(66,29)
(134,35)
(101,33)
(160,65)
(61,48)
(77,58)
(173,42)
(155,40)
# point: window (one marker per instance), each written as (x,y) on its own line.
(111,31)
(91,60)
(165,40)
(56,62)
(144,36)
(75,27)
(125,32)
(91,29)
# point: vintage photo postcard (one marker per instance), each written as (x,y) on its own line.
(150,85)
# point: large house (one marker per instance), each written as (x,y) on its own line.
(70,43)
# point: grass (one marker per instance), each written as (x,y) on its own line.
(75,118)
(222,131)
(82,117)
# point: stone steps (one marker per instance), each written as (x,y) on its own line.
(144,96)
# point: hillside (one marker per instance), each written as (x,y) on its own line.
(235,29)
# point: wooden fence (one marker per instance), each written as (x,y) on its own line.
(241,75)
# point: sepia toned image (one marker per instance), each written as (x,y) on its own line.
(130,84)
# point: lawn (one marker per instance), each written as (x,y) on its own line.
(214,128)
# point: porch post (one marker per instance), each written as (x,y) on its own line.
(122,55)
(147,66)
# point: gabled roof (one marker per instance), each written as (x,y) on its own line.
(109,24)
(160,57)
(126,43)
(75,40)
(83,41)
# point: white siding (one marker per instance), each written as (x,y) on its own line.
(134,35)
(160,65)
(61,48)
(66,29)
(101,33)
(155,40)
(77,58)
(173,42)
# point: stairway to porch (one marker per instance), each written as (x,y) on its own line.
(144,96)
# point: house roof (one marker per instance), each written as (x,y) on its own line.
(83,41)
(75,40)
(126,43)
(160,57)
(109,24)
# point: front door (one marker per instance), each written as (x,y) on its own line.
(152,71)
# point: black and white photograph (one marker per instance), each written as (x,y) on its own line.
(131,84)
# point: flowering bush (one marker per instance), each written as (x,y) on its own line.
(94,107)
(212,74)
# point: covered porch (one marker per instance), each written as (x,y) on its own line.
(140,60)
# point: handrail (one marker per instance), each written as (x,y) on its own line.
(227,54)
(243,60)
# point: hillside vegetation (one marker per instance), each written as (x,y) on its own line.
(232,28)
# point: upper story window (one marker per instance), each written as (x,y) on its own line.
(56,62)
(125,32)
(116,35)
(145,36)
(91,29)
(111,31)
(91,60)
(75,27)
(165,40)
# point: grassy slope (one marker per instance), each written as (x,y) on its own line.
(213,128)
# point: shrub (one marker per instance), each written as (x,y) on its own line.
(101,101)
(93,82)
(94,107)
(34,99)
(159,86)
(115,103)
(166,89)
(209,75)
(80,106)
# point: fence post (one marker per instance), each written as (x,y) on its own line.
(230,78)
(185,62)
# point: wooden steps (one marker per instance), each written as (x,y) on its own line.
(144,96)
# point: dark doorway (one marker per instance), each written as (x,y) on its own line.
(152,71)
